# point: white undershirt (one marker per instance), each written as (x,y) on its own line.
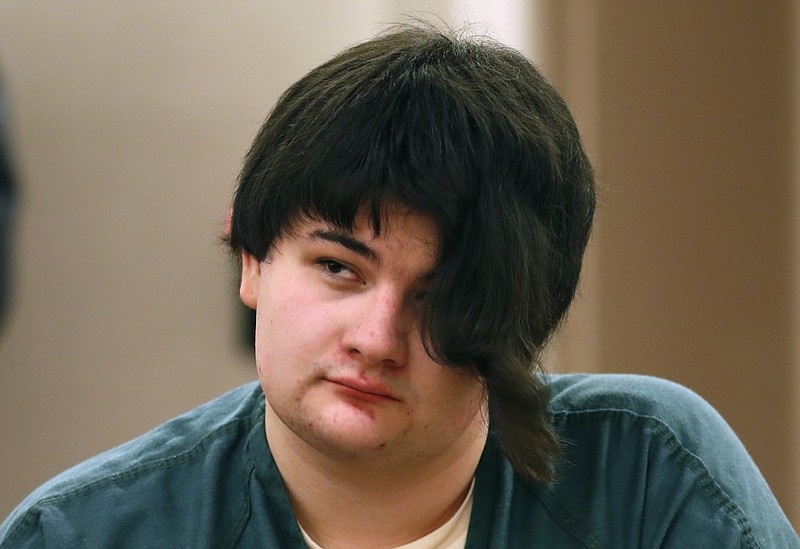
(450,535)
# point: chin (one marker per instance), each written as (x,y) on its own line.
(350,448)
(351,439)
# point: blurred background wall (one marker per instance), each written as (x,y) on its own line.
(129,121)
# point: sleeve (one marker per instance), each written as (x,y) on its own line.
(36,527)
(728,486)
(663,465)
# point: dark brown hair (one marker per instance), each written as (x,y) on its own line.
(469,132)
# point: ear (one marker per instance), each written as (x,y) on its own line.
(251,275)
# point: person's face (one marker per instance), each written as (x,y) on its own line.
(338,346)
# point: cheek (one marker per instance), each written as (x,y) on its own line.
(290,329)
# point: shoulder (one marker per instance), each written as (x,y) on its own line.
(577,392)
(640,417)
(144,476)
(655,454)
(653,400)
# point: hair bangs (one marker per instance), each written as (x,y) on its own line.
(395,143)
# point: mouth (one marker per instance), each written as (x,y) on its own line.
(363,390)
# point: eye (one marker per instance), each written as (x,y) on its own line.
(337,270)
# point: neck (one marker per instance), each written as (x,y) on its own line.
(351,503)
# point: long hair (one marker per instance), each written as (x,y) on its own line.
(469,132)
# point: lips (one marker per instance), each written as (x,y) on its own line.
(362,389)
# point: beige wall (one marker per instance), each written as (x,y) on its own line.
(130,120)
(795,269)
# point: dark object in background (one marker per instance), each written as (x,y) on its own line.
(6,208)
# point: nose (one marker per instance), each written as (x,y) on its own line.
(381,329)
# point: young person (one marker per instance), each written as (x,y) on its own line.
(411,221)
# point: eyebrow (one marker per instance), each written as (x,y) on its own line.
(347,241)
